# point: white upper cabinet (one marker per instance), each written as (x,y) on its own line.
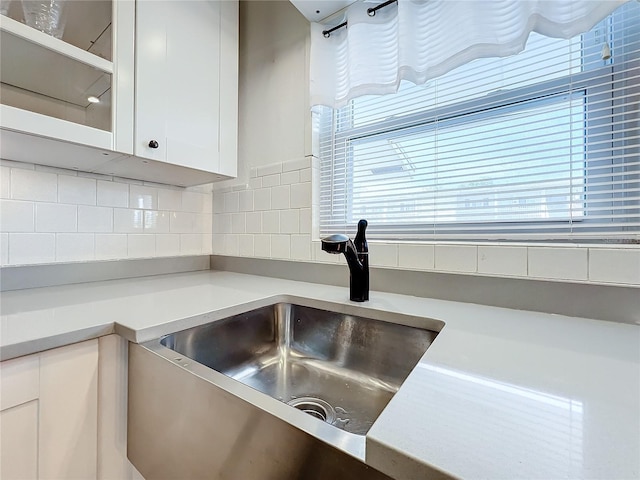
(186,102)
(180,50)
(72,88)
(166,77)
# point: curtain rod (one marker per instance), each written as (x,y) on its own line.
(370,11)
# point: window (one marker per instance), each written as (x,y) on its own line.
(543,145)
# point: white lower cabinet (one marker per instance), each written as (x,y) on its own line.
(63,413)
(19,441)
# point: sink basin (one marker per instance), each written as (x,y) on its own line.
(341,369)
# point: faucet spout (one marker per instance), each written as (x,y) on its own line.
(357,256)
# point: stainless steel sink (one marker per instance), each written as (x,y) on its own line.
(342,369)
(211,401)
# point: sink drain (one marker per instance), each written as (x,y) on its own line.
(315,407)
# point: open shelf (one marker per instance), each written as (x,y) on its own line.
(48,76)
(31,36)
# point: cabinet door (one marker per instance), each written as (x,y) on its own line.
(19,442)
(68,433)
(178,89)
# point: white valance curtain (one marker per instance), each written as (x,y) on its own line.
(417,40)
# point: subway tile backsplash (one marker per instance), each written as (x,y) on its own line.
(271,217)
(53,215)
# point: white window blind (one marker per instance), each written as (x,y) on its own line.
(543,145)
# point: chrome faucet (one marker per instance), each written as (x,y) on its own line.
(357,255)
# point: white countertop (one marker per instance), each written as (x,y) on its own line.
(499,394)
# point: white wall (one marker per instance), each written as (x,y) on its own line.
(261,214)
(274,123)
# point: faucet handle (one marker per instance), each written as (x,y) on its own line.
(360,241)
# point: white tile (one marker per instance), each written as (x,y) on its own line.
(269,169)
(30,248)
(192,202)
(218,202)
(255,183)
(56,217)
(301,247)
(319,255)
(246,201)
(141,246)
(218,244)
(156,222)
(167,245)
(271,221)
(32,185)
(198,225)
(290,221)
(169,199)
(262,199)
(4,248)
(301,195)
(305,220)
(190,244)
(143,197)
(232,202)
(262,246)
(16,216)
(616,266)
(238,223)
(562,263)
(305,175)
(253,172)
(245,245)
(207,202)
(280,246)
(456,258)
(207,244)
(383,254)
(502,260)
(271,180)
(110,246)
(205,188)
(95,219)
(74,247)
(280,197)
(230,244)
(207,223)
(416,257)
(112,194)
(254,222)
(290,177)
(128,221)
(182,222)
(296,164)
(5,182)
(222,223)
(76,190)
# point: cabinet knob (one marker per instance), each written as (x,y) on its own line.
(153,144)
